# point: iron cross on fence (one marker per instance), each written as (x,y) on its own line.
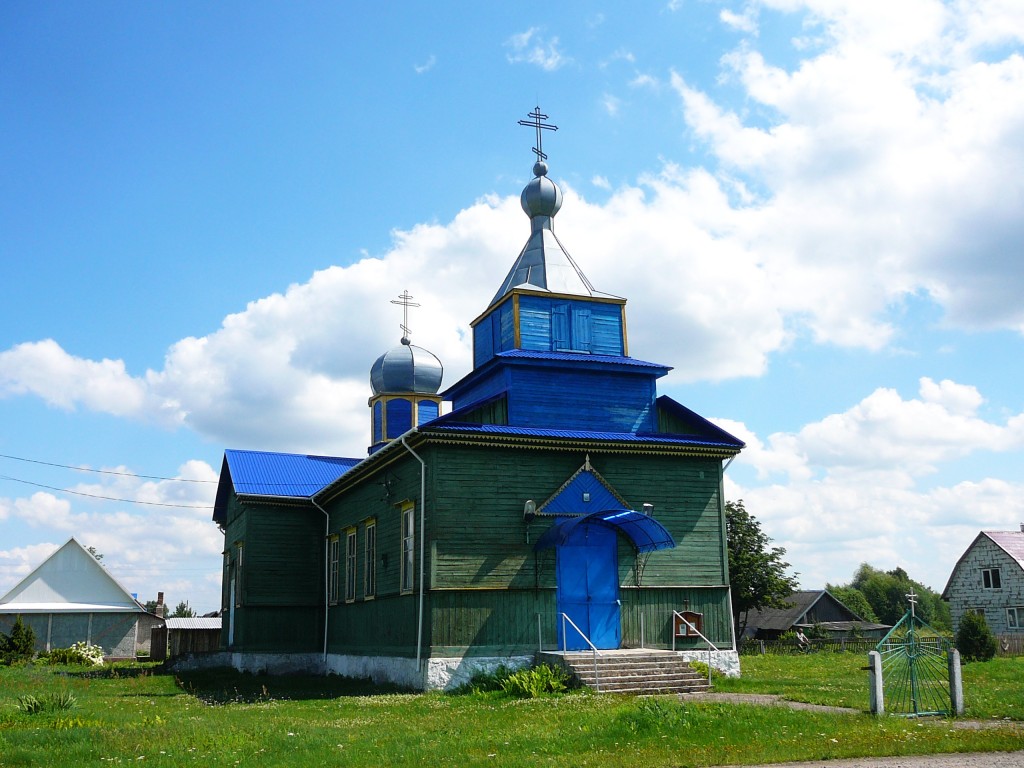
(406,301)
(538,123)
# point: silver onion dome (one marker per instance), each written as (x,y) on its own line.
(541,196)
(406,368)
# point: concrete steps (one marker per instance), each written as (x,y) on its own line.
(632,671)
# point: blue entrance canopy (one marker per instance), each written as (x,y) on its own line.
(646,533)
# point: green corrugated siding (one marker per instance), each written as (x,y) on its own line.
(656,606)
(481,622)
(483,490)
(277,630)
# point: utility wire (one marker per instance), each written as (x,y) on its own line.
(106,498)
(103,471)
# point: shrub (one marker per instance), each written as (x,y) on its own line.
(79,653)
(19,645)
(974,639)
(536,681)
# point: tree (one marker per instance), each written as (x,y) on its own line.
(92,551)
(19,645)
(974,639)
(886,592)
(757,572)
(853,599)
(182,611)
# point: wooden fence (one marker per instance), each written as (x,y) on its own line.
(1007,645)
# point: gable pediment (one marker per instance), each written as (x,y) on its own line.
(583,493)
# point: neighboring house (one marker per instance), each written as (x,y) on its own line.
(810,608)
(989,579)
(70,597)
(559,485)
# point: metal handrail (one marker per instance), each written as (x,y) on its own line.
(597,679)
(711,646)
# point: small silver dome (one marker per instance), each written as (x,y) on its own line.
(406,368)
(541,197)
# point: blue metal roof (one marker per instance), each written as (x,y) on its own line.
(578,434)
(646,533)
(261,473)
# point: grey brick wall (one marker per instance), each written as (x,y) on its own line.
(967,592)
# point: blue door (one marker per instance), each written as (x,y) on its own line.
(588,588)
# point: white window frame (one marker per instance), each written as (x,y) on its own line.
(991,579)
(239,571)
(408,554)
(351,563)
(370,560)
(1015,617)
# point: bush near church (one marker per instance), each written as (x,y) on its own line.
(974,639)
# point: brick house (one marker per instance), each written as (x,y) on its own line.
(989,579)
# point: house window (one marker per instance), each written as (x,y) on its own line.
(350,566)
(370,560)
(408,539)
(977,611)
(990,578)
(333,571)
(1015,618)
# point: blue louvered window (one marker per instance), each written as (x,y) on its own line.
(399,417)
(378,422)
(426,411)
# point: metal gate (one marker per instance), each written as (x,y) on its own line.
(915,671)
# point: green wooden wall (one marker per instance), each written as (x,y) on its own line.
(486,583)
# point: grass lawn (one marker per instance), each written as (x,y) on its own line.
(136,716)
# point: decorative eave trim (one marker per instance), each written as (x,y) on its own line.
(578,444)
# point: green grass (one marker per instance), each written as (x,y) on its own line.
(992,689)
(225,718)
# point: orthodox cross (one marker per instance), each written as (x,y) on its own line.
(538,123)
(406,301)
(912,599)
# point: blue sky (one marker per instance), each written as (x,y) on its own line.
(814,209)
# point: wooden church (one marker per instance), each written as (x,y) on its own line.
(559,503)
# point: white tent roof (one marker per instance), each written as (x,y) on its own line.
(70,580)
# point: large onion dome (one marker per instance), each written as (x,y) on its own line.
(406,368)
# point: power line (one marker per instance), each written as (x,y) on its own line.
(106,498)
(104,471)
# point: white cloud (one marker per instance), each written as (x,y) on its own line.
(853,490)
(888,163)
(530,47)
(611,104)
(425,66)
(601,182)
(644,81)
(741,22)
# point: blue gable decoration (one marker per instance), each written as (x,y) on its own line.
(646,533)
(585,492)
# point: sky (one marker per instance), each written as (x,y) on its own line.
(814,208)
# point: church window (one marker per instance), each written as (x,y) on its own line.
(426,411)
(571,328)
(990,578)
(370,560)
(399,417)
(333,569)
(408,540)
(350,566)
(239,551)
